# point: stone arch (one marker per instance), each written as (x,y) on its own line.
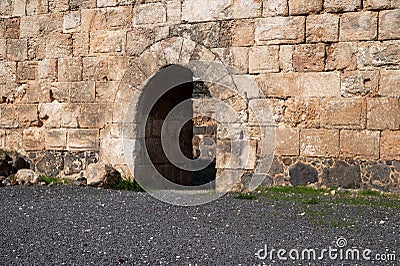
(172,51)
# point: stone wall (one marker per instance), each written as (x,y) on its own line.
(329,70)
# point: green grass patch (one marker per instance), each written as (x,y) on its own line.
(50,179)
(246,196)
(126,185)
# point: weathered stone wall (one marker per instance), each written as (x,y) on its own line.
(330,70)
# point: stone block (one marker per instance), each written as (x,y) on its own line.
(36,49)
(106,91)
(70,114)
(72,22)
(69,69)
(390,148)
(83,91)
(29,27)
(341,56)
(27,115)
(319,142)
(389,83)
(359,144)
(300,7)
(35,92)
(33,139)
(275,8)
(389,24)
(80,44)
(264,59)
(117,66)
(9,117)
(34,7)
(27,71)
(174,8)
(322,28)
(92,115)
(10,28)
(56,139)
(207,10)
(3,49)
(309,57)
(236,57)
(83,139)
(50,114)
(373,54)
(341,5)
(17,49)
(93,19)
(6,8)
(57,5)
(58,45)
(302,112)
(260,113)
(113,42)
(286,58)
(82,4)
(279,30)
(95,68)
(59,91)
(287,141)
(119,17)
(105,3)
(151,13)
(358,26)
(359,83)
(376,4)
(48,70)
(243,33)
(383,113)
(210,34)
(343,113)
(246,8)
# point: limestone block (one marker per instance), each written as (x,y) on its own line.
(33,139)
(390,148)
(59,90)
(51,114)
(92,115)
(93,19)
(150,13)
(106,90)
(341,56)
(57,5)
(139,39)
(287,141)
(17,49)
(48,69)
(36,49)
(236,57)
(10,28)
(359,144)
(342,5)
(9,117)
(358,26)
(243,33)
(322,28)
(69,69)
(302,112)
(174,8)
(376,4)
(58,45)
(343,113)
(207,10)
(83,139)
(319,142)
(300,7)
(34,7)
(286,58)
(105,3)
(309,57)
(264,59)
(82,4)
(383,113)
(389,24)
(359,83)
(83,91)
(27,115)
(80,44)
(389,83)
(373,54)
(119,17)
(56,139)
(117,66)
(275,8)
(246,8)
(113,42)
(36,93)
(262,114)
(29,26)
(279,30)
(72,21)
(95,68)
(27,71)
(70,114)
(3,49)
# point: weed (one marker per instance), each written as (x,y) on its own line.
(126,185)
(246,196)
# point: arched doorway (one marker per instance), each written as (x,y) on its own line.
(169,87)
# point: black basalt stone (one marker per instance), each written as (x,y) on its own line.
(342,175)
(302,174)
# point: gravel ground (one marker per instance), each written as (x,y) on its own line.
(79,226)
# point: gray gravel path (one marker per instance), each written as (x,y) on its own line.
(80,226)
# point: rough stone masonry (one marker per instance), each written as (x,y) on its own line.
(329,69)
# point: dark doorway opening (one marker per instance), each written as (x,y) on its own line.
(188,136)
